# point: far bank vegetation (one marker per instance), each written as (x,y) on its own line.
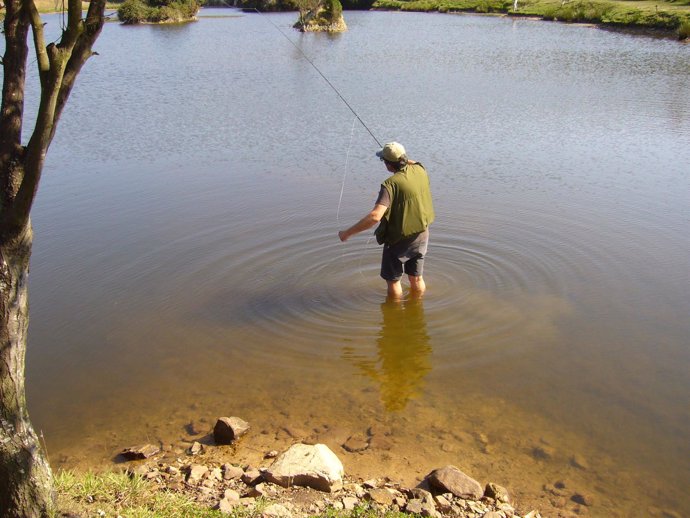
(158,11)
(669,16)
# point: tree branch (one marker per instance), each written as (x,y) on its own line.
(39,41)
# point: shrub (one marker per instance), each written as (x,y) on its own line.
(133,11)
(684,31)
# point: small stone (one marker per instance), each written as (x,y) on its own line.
(271,454)
(231,495)
(231,472)
(583,499)
(143,451)
(276,511)
(421,494)
(381,496)
(498,493)
(251,476)
(226,506)
(228,429)
(216,474)
(257,491)
(195,449)
(414,506)
(442,502)
(195,473)
(543,452)
(356,443)
(492,514)
(350,502)
(579,462)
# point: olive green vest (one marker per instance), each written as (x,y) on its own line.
(411,210)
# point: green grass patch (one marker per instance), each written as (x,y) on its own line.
(119,494)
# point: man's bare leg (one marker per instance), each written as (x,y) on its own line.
(417,285)
(394,290)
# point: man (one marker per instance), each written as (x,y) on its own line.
(404,211)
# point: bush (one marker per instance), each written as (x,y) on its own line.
(684,31)
(133,11)
(154,11)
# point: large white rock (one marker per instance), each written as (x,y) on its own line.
(307,465)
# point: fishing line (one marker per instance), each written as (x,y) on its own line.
(347,159)
(321,74)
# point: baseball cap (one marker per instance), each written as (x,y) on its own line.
(392,152)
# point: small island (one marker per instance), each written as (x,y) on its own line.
(158,11)
(321,16)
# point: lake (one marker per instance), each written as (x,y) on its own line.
(186,263)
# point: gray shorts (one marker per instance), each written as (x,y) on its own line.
(405,256)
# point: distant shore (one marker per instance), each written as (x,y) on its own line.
(667,19)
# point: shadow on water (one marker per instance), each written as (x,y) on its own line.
(403,350)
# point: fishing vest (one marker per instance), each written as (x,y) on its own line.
(411,210)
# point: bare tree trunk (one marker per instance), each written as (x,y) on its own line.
(26,481)
(26,489)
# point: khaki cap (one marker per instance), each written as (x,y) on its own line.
(392,152)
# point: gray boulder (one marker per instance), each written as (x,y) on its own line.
(314,466)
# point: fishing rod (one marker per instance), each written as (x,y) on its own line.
(320,73)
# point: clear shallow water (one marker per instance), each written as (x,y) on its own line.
(186,263)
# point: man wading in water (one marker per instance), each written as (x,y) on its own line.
(404,211)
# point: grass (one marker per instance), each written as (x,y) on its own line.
(667,15)
(117,494)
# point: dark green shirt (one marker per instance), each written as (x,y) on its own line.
(411,209)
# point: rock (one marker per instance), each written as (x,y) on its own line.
(143,451)
(314,466)
(543,452)
(226,506)
(195,473)
(271,454)
(231,495)
(195,449)
(442,503)
(416,506)
(350,502)
(498,493)
(356,443)
(533,514)
(216,474)
(450,479)
(257,491)
(231,472)
(582,499)
(421,494)
(579,462)
(251,476)
(276,511)
(381,496)
(492,514)
(228,429)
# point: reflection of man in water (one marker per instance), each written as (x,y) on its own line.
(403,353)
(404,211)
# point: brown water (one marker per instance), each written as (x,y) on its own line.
(186,263)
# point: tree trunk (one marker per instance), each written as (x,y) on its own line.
(26,488)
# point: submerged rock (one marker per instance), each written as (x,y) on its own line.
(143,451)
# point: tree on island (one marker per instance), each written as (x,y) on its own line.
(320,15)
(158,11)
(26,480)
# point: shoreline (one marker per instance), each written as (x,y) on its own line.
(210,475)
